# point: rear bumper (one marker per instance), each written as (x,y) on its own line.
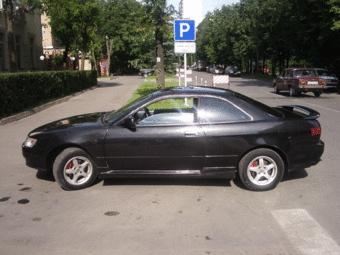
(308,156)
(312,88)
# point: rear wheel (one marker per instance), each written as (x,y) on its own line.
(291,91)
(74,169)
(317,93)
(261,169)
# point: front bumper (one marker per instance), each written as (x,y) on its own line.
(33,158)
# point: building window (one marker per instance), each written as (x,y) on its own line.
(18,49)
(32,51)
(2,51)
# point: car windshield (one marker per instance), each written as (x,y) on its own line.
(116,115)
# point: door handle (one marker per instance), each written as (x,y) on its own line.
(191,133)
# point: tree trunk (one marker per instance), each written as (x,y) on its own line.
(108,49)
(160,76)
(10,37)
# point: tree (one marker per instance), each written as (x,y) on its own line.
(72,22)
(120,21)
(10,35)
(158,17)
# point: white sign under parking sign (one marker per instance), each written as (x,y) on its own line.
(185,47)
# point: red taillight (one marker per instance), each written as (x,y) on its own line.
(316,131)
(302,82)
(322,82)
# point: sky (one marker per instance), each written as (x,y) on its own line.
(208,5)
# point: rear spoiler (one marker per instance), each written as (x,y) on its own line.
(311,114)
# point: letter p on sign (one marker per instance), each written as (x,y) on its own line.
(185,30)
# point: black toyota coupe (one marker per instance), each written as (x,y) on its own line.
(194,132)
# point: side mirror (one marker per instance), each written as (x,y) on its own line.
(130,123)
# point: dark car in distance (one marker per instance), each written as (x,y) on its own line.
(297,80)
(233,71)
(194,132)
(145,73)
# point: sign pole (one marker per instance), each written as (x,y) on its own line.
(185,77)
(185,69)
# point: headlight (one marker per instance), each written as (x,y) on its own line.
(30,142)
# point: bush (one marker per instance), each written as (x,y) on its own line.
(21,91)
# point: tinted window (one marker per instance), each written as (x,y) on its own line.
(214,110)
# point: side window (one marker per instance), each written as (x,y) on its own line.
(168,111)
(215,110)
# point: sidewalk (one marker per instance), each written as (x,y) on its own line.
(111,93)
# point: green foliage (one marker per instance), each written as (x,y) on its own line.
(148,87)
(72,22)
(22,91)
(287,32)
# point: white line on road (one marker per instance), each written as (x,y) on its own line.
(305,233)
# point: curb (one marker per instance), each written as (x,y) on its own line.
(40,108)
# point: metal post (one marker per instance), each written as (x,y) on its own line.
(185,69)
(185,77)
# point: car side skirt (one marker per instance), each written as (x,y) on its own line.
(216,172)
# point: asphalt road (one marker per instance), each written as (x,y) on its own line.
(169,216)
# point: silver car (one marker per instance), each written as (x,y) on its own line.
(332,82)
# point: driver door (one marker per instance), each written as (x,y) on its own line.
(167,137)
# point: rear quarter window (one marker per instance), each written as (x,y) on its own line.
(216,110)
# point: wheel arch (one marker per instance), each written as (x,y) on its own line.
(277,150)
(52,155)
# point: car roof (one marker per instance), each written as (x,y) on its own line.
(300,68)
(194,91)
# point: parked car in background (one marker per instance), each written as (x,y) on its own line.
(232,71)
(193,132)
(331,80)
(201,65)
(182,67)
(145,72)
(217,70)
(209,68)
(297,80)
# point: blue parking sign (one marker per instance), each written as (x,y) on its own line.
(185,30)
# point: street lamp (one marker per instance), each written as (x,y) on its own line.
(42,58)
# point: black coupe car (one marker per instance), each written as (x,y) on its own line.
(180,132)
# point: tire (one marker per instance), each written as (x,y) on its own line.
(74,169)
(317,93)
(261,169)
(145,76)
(291,92)
(276,91)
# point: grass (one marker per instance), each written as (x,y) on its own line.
(167,76)
(148,87)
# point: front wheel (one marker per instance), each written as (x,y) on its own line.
(74,169)
(261,169)
(276,90)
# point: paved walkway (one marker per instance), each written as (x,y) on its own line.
(110,94)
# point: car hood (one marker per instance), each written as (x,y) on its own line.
(85,120)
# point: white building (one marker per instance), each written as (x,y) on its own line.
(191,9)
